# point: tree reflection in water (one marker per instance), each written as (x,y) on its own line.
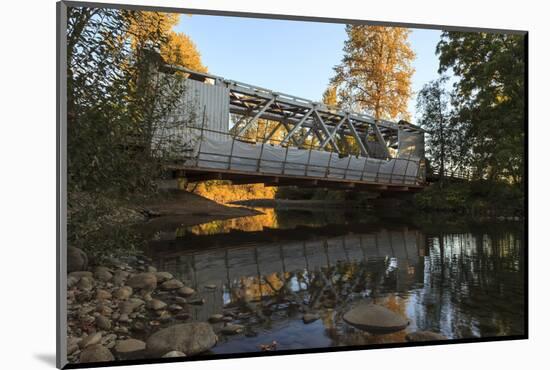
(465,283)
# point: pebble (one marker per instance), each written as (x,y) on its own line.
(174,354)
(232,329)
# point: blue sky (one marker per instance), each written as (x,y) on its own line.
(288,56)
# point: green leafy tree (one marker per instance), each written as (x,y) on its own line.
(489,98)
(444,142)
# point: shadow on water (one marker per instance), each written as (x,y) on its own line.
(266,271)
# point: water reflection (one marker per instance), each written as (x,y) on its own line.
(268,271)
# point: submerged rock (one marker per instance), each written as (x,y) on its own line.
(174,354)
(190,338)
(310,317)
(423,336)
(375,319)
(232,329)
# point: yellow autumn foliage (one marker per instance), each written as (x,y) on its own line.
(223,193)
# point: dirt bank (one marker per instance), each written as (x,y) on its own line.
(185,209)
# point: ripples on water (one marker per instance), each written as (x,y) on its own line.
(462,282)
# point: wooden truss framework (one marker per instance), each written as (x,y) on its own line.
(303,118)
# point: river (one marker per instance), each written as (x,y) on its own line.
(463,280)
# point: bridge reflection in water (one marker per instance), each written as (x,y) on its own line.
(462,285)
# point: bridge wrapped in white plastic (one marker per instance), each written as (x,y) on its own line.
(318,142)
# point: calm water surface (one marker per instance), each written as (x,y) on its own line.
(463,281)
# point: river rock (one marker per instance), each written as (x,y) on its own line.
(171,284)
(102,322)
(128,348)
(180,300)
(423,336)
(232,329)
(190,338)
(156,304)
(102,294)
(175,308)
(77,260)
(80,274)
(103,273)
(85,284)
(151,269)
(96,353)
(215,318)
(174,354)
(163,276)
(120,276)
(89,340)
(375,319)
(123,293)
(72,281)
(210,286)
(196,301)
(104,309)
(129,306)
(186,291)
(144,280)
(310,317)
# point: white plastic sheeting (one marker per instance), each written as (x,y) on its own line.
(272,159)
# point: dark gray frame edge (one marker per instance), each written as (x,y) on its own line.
(61,189)
(289,17)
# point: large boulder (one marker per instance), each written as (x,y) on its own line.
(424,336)
(96,353)
(77,260)
(190,338)
(375,319)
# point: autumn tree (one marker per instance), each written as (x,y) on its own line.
(375,72)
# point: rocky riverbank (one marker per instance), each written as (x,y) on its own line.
(129,310)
